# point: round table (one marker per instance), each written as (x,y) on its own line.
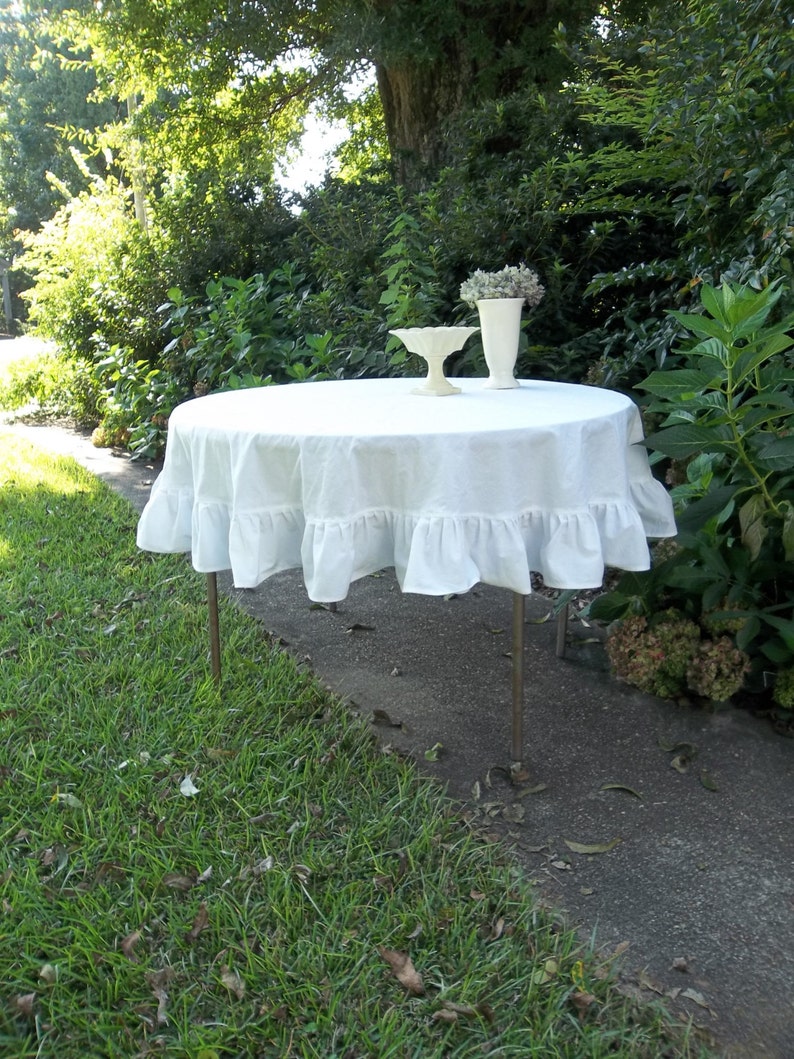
(345,478)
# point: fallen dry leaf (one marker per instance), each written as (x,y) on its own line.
(56,855)
(445,1016)
(451,1012)
(582,1001)
(708,781)
(128,945)
(233,982)
(620,787)
(201,922)
(696,997)
(380,717)
(404,970)
(514,813)
(215,753)
(675,747)
(590,848)
(109,871)
(24,1004)
(546,972)
(468,1010)
(497,929)
(157,981)
(649,983)
(175,881)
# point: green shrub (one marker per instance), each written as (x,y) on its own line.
(244,332)
(783,692)
(725,403)
(97,281)
(700,153)
(52,386)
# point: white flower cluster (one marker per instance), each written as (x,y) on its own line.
(513,281)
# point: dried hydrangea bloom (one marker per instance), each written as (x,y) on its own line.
(513,281)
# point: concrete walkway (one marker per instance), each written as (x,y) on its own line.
(698,889)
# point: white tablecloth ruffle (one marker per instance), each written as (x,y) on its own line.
(347,478)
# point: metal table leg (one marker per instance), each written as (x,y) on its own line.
(517,654)
(562,631)
(214,625)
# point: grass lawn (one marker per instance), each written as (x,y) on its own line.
(185,873)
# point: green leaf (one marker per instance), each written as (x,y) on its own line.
(784,626)
(788,533)
(692,579)
(713,349)
(751,520)
(750,359)
(717,302)
(700,325)
(776,652)
(685,440)
(701,511)
(748,632)
(613,606)
(751,322)
(762,415)
(776,453)
(676,383)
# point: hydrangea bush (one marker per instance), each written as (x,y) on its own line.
(723,410)
(669,657)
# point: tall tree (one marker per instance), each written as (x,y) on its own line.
(234,70)
(45,109)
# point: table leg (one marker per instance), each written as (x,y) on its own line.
(517,736)
(214,624)
(562,631)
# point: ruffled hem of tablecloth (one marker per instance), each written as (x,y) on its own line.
(432,555)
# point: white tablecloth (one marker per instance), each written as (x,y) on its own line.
(346,478)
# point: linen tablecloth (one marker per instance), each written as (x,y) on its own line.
(345,478)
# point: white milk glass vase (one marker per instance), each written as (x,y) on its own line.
(500,323)
(434,345)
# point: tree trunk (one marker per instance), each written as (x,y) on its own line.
(468,51)
(418,99)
